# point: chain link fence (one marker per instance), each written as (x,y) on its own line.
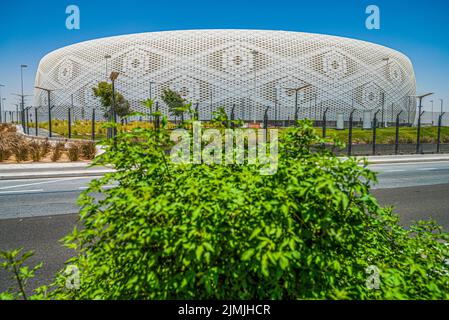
(363,132)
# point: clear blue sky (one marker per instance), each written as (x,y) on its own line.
(418,28)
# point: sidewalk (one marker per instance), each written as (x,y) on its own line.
(80,169)
(50,170)
(406,158)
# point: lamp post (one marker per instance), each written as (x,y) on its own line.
(441,101)
(255,53)
(1,102)
(418,134)
(22,66)
(297,90)
(114,75)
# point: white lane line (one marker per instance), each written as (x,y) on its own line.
(104,187)
(21,191)
(37,183)
(399,170)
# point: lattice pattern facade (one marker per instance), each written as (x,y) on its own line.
(250,69)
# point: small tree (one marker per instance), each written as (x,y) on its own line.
(104,92)
(175,103)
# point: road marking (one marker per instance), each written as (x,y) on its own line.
(21,191)
(426,169)
(399,170)
(104,187)
(37,183)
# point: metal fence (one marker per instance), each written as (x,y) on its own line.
(364,132)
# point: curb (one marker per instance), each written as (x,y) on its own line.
(45,175)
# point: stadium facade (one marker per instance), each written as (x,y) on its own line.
(249,69)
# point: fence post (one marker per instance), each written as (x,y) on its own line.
(324,122)
(396,147)
(374,131)
(49,120)
(93,124)
(265,123)
(69,119)
(418,133)
(157,118)
(35,122)
(197,115)
(440,119)
(350,133)
(232,116)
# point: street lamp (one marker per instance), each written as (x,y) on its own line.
(22,66)
(255,53)
(1,101)
(114,75)
(296,90)
(441,100)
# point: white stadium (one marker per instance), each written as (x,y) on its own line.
(251,70)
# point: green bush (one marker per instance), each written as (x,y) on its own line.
(310,231)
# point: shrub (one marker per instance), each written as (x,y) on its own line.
(20,148)
(310,231)
(88,150)
(45,147)
(74,151)
(57,151)
(35,150)
(6,140)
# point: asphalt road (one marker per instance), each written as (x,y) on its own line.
(36,214)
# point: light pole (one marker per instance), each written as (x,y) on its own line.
(113,114)
(296,90)
(22,66)
(1,102)
(384,120)
(418,134)
(441,101)
(255,53)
